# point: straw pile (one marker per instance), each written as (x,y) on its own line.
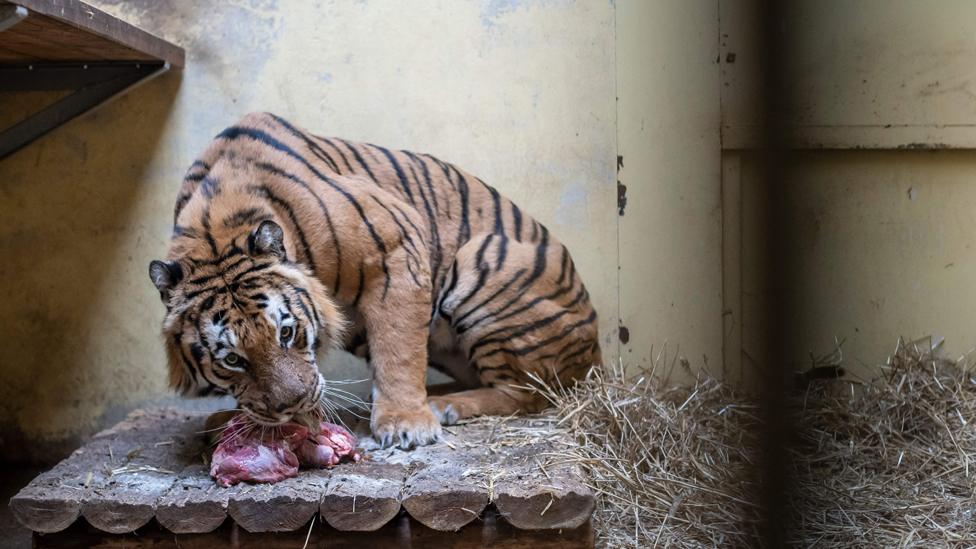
(879,463)
(671,466)
(888,463)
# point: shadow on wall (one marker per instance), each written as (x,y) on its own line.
(68,205)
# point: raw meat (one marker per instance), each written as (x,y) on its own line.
(253,455)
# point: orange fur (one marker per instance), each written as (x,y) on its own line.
(425,261)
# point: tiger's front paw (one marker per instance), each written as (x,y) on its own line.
(405,428)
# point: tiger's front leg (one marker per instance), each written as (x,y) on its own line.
(396,320)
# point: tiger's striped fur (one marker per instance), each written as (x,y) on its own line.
(405,257)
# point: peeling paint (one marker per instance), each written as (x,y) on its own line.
(624,334)
(621,198)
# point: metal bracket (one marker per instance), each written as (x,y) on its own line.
(94,84)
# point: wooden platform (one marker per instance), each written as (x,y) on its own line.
(492,477)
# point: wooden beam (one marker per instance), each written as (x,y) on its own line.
(87,18)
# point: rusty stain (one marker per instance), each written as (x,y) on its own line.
(624,334)
(730,57)
(621,198)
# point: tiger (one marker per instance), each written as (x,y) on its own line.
(285,242)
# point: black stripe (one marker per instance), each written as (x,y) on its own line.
(572,343)
(526,328)
(464,230)
(311,305)
(497,316)
(497,207)
(206,231)
(562,270)
(540,260)
(195,178)
(435,252)
(427,182)
(246,216)
(362,282)
(405,235)
(502,251)
(179,230)
(482,272)
(526,350)
(448,290)
(187,363)
(203,279)
(458,321)
(260,136)
(517,218)
(210,187)
(319,152)
(181,201)
(404,183)
(285,206)
(234,265)
(359,158)
(195,293)
(342,155)
(274,170)
(252,269)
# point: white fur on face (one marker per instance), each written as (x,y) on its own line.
(220,333)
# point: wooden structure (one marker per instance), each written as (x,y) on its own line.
(67,45)
(487,480)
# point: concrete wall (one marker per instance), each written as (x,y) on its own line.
(519,92)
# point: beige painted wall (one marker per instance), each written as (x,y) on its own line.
(519,92)
(879,241)
(882,245)
(671,230)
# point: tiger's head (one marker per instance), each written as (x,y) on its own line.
(247,322)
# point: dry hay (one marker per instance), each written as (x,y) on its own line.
(670,466)
(880,463)
(887,463)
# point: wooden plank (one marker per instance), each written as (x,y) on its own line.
(115,480)
(52,501)
(533,491)
(446,488)
(150,448)
(280,507)
(363,496)
(93,21)
(402,532)
(195,504)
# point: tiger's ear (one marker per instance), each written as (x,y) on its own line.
(267,239)
(165,275)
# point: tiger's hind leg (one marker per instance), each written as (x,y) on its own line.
(519,312)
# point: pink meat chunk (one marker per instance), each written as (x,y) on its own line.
(248,455)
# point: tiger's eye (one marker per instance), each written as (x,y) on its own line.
(286,332)
(231,359)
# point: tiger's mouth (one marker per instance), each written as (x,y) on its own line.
(309,406)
